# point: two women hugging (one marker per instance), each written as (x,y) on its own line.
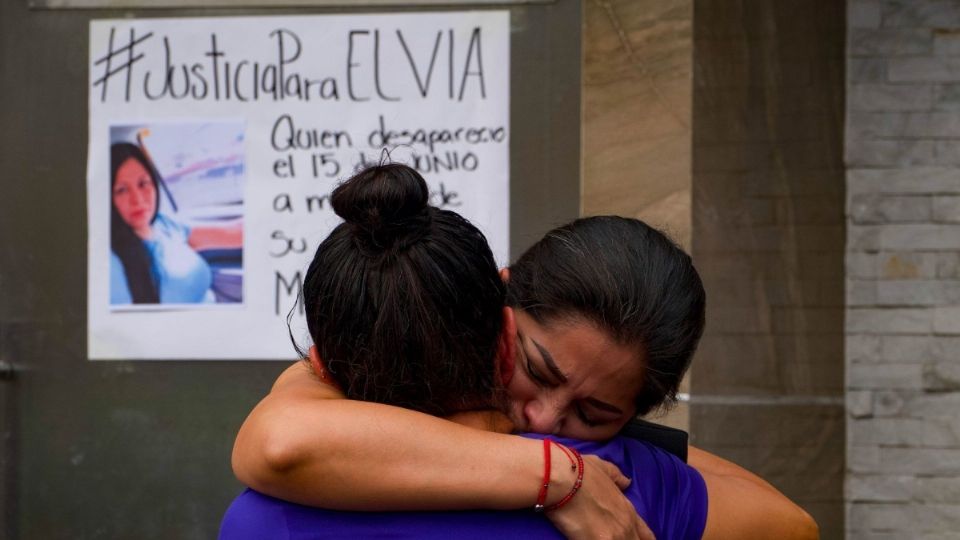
(436,383)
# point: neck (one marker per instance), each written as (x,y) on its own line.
(144,232)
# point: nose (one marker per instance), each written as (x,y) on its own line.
(136,197)
(543,416)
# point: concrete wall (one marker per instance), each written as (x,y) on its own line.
(768,238)
(903,269)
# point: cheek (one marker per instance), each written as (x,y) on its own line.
(507,367)
(150,196)
(586,433)
(120,202)
(521,389)
(604,433)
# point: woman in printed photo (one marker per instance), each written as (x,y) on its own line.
(154,258)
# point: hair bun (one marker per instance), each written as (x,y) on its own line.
(387,206)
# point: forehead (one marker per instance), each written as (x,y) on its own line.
(131,169)
(594,364)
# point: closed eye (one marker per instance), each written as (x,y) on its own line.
(535,375)
(584,417)
(533,372)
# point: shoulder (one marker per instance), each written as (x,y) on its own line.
(671,439)
(669,488)
(669,495)
(167,226)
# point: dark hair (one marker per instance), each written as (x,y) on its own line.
(403,300)
(125,243)
(626,278)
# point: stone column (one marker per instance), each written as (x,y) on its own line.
(903,269)
(768,238)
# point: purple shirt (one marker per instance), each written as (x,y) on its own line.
(668,494)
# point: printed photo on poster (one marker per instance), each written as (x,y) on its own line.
(176,215)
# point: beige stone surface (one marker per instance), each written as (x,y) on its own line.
(769,242)
(636,111)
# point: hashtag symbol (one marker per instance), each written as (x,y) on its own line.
(109,70)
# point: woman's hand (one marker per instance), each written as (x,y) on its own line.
(599,509)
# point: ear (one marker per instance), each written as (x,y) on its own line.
(507,346)
(319,368)
(316,363)
(505,274)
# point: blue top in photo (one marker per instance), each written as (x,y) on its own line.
(182,276)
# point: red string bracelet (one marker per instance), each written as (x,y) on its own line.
(576,485)
(566,452)
(542,496)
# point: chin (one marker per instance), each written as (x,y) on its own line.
(136,223)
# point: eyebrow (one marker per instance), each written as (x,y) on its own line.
(552,366)
(548,360)
(603,405)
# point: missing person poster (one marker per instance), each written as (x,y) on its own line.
(215,143)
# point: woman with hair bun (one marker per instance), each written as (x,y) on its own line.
(402,300)
(597,323)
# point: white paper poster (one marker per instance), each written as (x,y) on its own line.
(215,143)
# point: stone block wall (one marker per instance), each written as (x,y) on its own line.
(902,153)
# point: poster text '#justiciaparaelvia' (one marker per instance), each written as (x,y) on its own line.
(442,70)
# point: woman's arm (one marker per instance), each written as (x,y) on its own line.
(216,237)
(744,506)
(306,444)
